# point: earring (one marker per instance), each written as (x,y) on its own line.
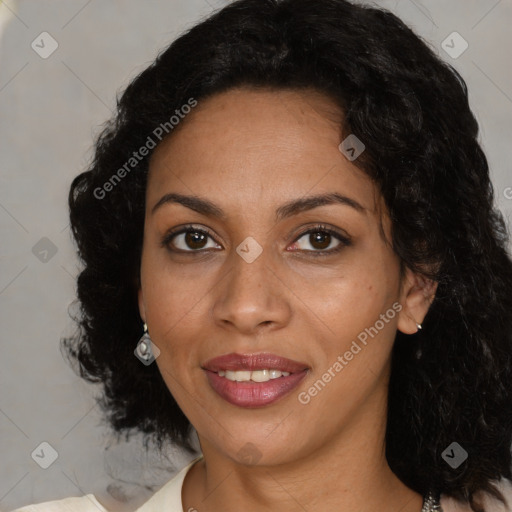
(145,336)
(146,351)
(418,326)
(144,344)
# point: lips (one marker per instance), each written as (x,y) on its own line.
(251,394)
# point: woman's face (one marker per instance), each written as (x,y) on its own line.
(257,282)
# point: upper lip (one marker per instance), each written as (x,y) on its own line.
(240,362)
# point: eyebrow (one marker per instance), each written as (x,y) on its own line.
(209,209)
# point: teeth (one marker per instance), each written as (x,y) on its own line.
(238,376)
(255,376)
(261,375)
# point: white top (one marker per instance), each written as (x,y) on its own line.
(168,499)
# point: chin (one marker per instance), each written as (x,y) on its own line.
(260,449)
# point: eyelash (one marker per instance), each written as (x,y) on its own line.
(344,241)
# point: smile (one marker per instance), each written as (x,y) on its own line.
(253,380)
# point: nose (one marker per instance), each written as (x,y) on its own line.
(251,297)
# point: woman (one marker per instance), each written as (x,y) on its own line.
(290,245)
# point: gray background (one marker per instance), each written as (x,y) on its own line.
(50,109)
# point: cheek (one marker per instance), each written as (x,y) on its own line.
(174,293)
(175,305)
(353,299)
(357,307)
(355,353)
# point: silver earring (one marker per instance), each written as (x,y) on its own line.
(146,351)
(144,344)
(418,326)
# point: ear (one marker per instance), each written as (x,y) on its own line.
(142,308)
(416,296)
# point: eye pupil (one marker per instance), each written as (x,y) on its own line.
(194,239)
(320,237)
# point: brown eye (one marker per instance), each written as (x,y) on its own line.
(188,240)
(195,239)
(322,241)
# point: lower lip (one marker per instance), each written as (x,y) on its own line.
(254,394)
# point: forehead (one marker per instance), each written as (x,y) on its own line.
(258,118)
(259,144)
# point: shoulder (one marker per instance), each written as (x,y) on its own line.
(167,498)
(87,503)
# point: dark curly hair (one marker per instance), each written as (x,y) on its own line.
(450,381)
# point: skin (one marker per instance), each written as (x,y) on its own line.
(249,151)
